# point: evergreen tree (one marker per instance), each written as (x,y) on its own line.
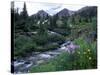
(16,15)
(24,13)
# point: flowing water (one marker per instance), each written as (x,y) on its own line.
(37,58)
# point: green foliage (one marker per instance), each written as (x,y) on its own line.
(94,23)
(24,14)
(46,38)
(21,26)
(47,47)
(51,46)
(40,39)
(86,54)
(63,31)
(44,68)
(56,38)
(42,28)
(84,58)
(52,65)
(23,45)
(62,27)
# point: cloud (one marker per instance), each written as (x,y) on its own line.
(50,8)
(53,8)
(56,7)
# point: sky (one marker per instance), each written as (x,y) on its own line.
(50,8)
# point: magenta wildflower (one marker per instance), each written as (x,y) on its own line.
(72,47)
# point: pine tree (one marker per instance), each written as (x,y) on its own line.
(24,13)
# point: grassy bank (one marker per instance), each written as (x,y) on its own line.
(84,58)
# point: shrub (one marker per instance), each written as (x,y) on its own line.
(40,39)
(44,39)
(44,68)
(46,47)
(86,54)
(63,31)
(56,38)
(23,45)
(94,23)
(51,46)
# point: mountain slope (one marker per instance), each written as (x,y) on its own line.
(88,11)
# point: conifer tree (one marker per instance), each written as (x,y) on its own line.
(24,13)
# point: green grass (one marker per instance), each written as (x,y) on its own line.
(56,64)
(84,58)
